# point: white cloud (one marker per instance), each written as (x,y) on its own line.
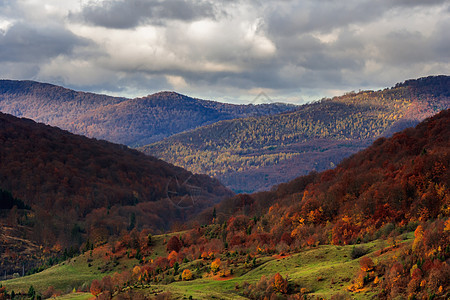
(177,82)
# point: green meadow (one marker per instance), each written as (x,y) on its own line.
(322,271)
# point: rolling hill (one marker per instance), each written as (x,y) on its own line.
(80,188)
(255,153)
(132,122)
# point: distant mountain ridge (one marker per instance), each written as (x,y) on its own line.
(132,122)
(255,153)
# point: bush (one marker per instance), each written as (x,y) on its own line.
(366,264)
(385,230)
(357,252)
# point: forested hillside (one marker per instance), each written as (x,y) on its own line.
(131,122)
(397,185)
(396,180)
(255,153)
(78,187)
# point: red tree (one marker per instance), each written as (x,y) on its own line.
(174,244)
(96,287)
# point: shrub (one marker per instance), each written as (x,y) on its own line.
(366,264)
(357,252)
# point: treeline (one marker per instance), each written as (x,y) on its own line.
(48,103)
(141,121)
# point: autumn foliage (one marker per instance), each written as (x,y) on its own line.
(186,275)
(174,244)
(215,265)
(96,288)
(270,288)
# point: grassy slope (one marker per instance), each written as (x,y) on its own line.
(76,272)
(332,264)
(73,273)
(76,296)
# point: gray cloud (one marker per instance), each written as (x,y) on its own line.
(23,43)
(224,49)
(441,45)
(413,3)
(123,14)
(296,17)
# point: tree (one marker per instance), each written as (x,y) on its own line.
(172,257)
(286,237)
(149,240)
(418,237)
(279,284)
(31,292)
(176,266)
(215,265)
(136,272)
(186,275)
(174,244)
(107,284)
(96,287)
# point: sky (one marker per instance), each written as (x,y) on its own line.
(229,50)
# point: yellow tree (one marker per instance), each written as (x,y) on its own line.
(418,237)
(280,284)
(215,265)
(186,275)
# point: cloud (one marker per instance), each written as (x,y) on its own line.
(415,3)
(23,43)
(224,49)
(125,14)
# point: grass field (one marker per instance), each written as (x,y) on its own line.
(76,273)
(75,296)
(324,271)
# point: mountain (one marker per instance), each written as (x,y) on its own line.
(256,153)
(131,122)
(79,187)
